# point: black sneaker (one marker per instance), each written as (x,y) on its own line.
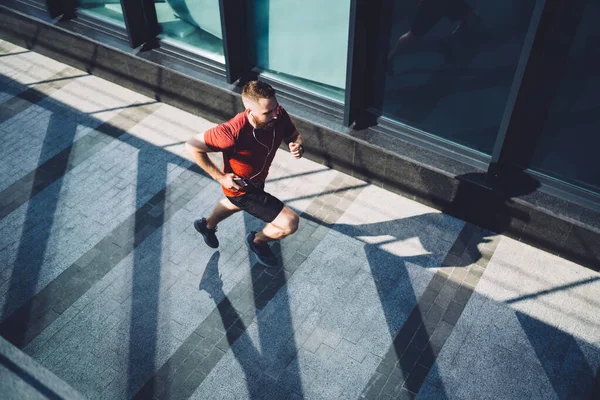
(262,251)
(209,234)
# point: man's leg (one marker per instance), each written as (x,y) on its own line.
(223,209)
(208,226)
(285,224)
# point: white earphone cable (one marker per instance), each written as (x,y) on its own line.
(268,151)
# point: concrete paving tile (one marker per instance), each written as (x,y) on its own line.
(496,372)
(42,343)
(315,340)
(431,392)
(86,372)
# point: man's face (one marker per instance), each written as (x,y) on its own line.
(263,112)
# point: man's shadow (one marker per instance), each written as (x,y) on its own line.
(252,361)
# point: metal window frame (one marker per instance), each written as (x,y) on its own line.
(142,29)
(497,152)
(233,25)
(295,93)
(232,30)
(355,66)
(68,11)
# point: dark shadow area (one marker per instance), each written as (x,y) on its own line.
(35,235)
(561,357)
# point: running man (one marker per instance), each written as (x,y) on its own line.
(249,142)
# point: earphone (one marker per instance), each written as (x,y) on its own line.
(269,150)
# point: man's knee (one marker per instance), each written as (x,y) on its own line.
(292,225)
(287,221)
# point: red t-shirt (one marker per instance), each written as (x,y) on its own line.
(247,152)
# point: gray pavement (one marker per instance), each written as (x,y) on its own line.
(107,286)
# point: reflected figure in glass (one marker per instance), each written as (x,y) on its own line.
(429,13)
(445,68)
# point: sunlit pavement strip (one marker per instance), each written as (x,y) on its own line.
(105,283)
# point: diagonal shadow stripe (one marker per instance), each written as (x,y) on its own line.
(28,321)
(31,96)
(145,285)
(424,333)
(553,290)
(193,361)
(561,357)
(15,54)
(57,166)
(29,260)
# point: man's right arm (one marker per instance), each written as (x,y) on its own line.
(198,149)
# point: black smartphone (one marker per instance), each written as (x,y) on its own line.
(240,182)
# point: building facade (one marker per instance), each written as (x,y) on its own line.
(483,109)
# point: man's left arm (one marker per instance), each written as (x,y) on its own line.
(295,144)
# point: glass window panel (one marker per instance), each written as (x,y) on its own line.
(106,10)
(446,66)
(570,141)
(194,25)
(303,43)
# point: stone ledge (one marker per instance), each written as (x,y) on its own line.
(22,377)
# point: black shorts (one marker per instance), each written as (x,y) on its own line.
(430,12)
(259,203)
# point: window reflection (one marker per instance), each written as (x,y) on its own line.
(106,10)
(194,25)
(449,65)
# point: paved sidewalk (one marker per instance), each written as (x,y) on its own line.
(106,284)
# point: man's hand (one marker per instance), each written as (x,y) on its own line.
(227,181)
(296,149)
